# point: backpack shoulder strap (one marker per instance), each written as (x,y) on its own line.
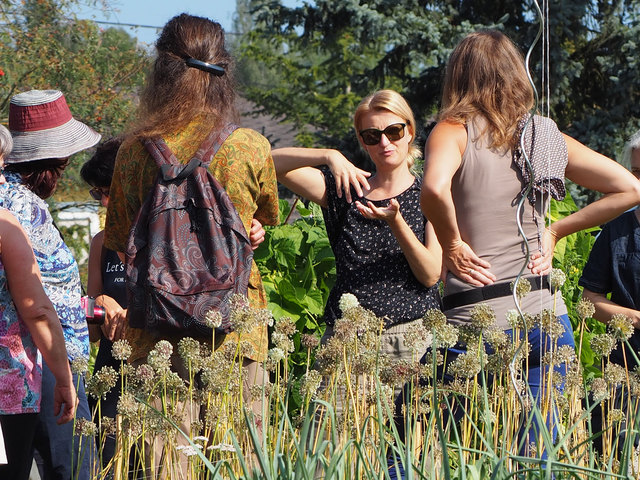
(165,158)
(213,142)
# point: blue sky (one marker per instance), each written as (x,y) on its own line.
(155,13)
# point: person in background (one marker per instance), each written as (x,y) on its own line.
(45,135)
(28,326)
(385,249)
(611,282)
(190,91)
(475,175)
(105,283)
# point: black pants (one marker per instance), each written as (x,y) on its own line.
(19,432)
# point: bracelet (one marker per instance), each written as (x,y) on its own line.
(553,233)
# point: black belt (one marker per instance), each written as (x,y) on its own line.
(495,290)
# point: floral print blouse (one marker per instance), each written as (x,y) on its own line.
(60,274)
(20,361)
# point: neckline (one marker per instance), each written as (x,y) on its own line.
(415,179)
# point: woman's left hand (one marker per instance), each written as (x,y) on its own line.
(541,262)
(388,213)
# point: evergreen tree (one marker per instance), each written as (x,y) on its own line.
(331,53)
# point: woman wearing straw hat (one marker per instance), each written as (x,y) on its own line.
(28,324)
(45,135)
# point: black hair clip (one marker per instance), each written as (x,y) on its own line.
(216,70)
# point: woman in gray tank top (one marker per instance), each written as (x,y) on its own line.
(474,177)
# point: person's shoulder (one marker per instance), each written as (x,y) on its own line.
(625,221)
(248,145)
(18,199)
(7,218)
(9,227)
(130,145)
(547,124)
(98,239)
(447,133)
(247,135)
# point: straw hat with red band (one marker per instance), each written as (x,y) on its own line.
(42,127)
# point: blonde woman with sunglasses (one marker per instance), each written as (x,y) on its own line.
(386,251)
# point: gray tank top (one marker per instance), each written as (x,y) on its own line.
(486,190)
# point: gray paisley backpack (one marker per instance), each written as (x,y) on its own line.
(188,251)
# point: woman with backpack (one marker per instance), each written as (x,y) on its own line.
(190,94)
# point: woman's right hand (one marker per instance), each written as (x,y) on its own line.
(347,175)
(462,261)
(115,318)
(65,400)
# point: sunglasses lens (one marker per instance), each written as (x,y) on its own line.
(96,194)
(371,136)
(394,132)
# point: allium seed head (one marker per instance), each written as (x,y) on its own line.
(434,319)
(585,308)
(557,278)
(482,316)
(347,301)
(621,327)
(121,350)
(79,365)
(603,344)
(213,319)
(523,288)
(309,341)
(85,428)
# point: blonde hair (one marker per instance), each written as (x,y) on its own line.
(630,146)
(390,101)
(486,76)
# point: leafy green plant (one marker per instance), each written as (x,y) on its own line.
(298,271)
(570,256)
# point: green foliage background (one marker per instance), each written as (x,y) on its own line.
(326,55)
(44,46)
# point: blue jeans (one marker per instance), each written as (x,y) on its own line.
(540,344)
(60,450)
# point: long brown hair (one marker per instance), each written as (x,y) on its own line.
(486,76)
(176,94)
(390,101)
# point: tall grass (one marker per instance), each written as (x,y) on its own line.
(481,423)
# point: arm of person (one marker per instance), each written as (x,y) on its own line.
(115,316)
(605,308)
(425,260)
(443,157)
(620,189)
(37,312)
(294,170)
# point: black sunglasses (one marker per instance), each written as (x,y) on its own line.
(372,136)
(97,193)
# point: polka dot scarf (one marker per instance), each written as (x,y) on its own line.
(547,152)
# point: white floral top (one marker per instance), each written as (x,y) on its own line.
(60,274)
